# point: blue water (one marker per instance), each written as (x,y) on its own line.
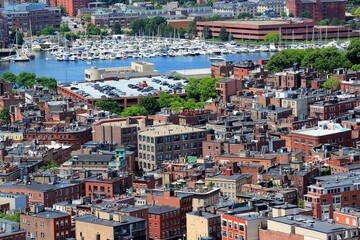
(74,71)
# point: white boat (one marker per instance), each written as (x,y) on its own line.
(217,59)
(36,47)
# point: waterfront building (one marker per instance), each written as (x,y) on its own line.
(32,16)
(292,29)
(71,6)
(4,31)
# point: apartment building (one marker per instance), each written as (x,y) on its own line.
(11,231)
(168,142)
(332,192)
(4,32)
(164,222)
(49,225)
(203,224)
(331,108)
(71,6)
(229,183)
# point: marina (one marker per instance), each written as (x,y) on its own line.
(165,53)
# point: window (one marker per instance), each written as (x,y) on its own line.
(235,226)
(241,227)
(224,233)
(354,197)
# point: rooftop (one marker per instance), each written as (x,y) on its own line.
(166,130)
(94,220)
(158,209)
(50,214)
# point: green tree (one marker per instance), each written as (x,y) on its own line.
(335,22)
(15,217)
(5,116)
(291,15)
(306,14)
(201,89)
(332,84)
(300,203)
(109,105)
(93,30)
(26,79)
(245,15)
(353,51)
(64,28)
(150,104)
(134,111)
(49,30)
(85,17)
(223,35)
(285,59)
(19,38)
(355,67)
(326,59)
(192,31)
(272,37)
(51,83)
(9,77)
(63,11)
(206,32)
(324,22)
(116,28)
(49,165)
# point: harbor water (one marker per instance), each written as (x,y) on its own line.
(45,65)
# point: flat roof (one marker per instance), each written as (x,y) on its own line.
(160,209)
(50,214)
(122,85)
(199,71)
(319,132)
(166,130)
(278,21)
(94,220)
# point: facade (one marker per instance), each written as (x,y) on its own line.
(174,199)
(230,184)
(164,222)
(46,225)
(15,201)
(34,16)
(289,30)
(107,18)
(168,142)
(331,109)
(331,193)
(4,32)
(110,225)
(319,9)
(241,226)
(203,224)
(326,132)
(71,6)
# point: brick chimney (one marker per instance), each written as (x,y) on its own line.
(228,172)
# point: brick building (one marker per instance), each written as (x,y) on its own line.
(107,185)
(4,32)
(174,199)
(319,9)
(203,224)
(35,16)
(46,225)
(164,222)
(331,108)
(223,69)
(226,88)
(168,142)
(332,192)
(71,6)
(146,182)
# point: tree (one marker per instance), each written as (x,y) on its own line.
(326,59)
(116,28)
(9,77)
(291,15)
(134,111)
(335,22)
(285,59)
(201,89)
(223,35)
(109,105)
(206,32)
(245,15)
(25,79)
(63,11)
(306,14)
(300,203)
(51,83)
(332,84)
(5,116)
(353,51)
(150,104)
(192,31)
(64,28)
(85,17)
(15,217)
(49,165)
(324,22)
(93,30)
(19,38)
(272,37)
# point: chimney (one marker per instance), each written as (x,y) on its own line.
(228,172)
(213,210)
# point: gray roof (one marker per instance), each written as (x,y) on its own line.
(204,214)
(36,186)
(51,214)
(159,209)
(94,220)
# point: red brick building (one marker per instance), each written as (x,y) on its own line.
(331,109)
(4,32)
(146,182)
(223,69)
(164,222)
(332,192)
(305,140)
(100,187)
(47,225)
(175,199)
(319,9)
(71,6)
